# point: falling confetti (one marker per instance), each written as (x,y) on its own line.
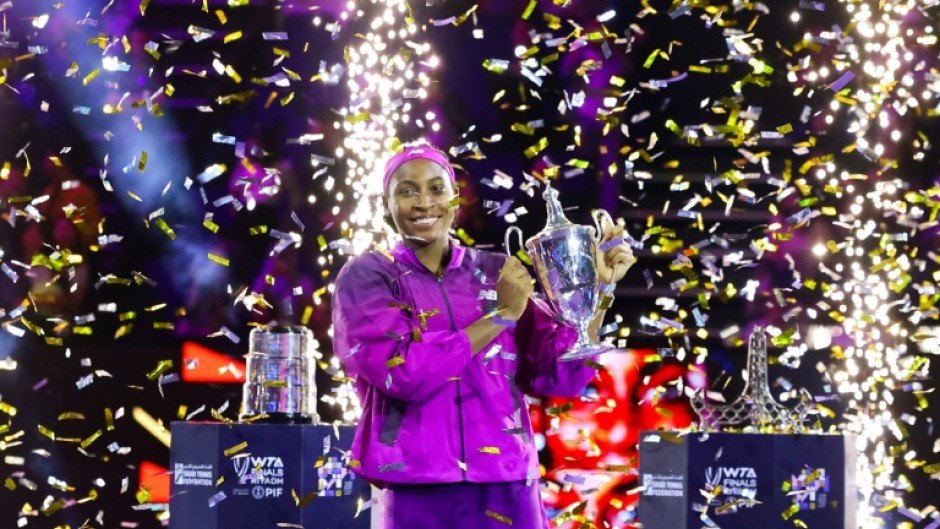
(817,217)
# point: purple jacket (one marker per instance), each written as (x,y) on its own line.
(432,412)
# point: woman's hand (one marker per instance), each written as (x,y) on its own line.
(513,289)
(614,256)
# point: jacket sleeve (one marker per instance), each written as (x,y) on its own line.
(373,337)
(540,341)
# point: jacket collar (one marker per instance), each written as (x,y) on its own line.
(402,252)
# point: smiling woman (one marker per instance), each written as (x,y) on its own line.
(440,421)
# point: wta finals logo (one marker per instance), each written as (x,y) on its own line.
(735,488)
(333,478)
(735,481)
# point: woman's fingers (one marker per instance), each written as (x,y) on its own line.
(522,276)
(516,274)
(612,232)
(619,253)
(510,263)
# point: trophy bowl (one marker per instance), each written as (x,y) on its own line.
(563,257)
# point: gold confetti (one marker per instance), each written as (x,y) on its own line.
(394,362)
(88,78)
(162,367)
(499,517)
(91,439)
(218,259)
(534,150)
(303,502)
(46,432)
(235,449)
(232,73)
(54,507)
(529,9)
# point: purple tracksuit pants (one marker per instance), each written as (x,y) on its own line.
(464,505)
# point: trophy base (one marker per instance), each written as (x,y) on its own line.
(586,350)
(281,418)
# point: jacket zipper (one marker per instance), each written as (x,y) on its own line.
(453,327)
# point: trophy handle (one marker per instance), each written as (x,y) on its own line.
(507,239)
(599,215)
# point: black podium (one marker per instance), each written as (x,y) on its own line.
(262,476)
(738,480)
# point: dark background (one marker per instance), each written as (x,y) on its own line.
(199,294)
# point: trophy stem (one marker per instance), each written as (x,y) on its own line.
(584,348)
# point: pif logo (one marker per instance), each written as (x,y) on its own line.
(258,492)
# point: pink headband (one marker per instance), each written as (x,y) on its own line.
(415,152)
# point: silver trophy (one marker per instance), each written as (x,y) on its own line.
(563,256)
(279,383)
(755,407)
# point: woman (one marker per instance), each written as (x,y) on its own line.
(444,341)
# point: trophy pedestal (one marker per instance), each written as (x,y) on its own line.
(765,480)
(242,475)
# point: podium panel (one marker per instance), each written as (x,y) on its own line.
(738,480)
(254,476)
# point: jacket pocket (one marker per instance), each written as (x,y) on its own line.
(391,426)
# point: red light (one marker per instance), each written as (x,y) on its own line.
(156,479)
(201,364)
